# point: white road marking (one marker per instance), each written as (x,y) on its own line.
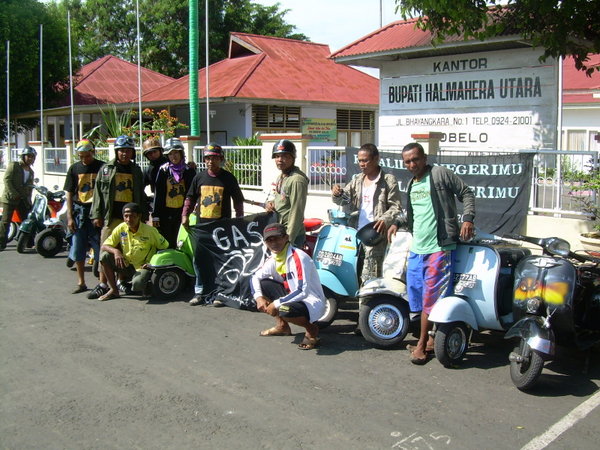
(543,440)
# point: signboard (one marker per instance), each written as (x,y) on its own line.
(319,129)
(502,99)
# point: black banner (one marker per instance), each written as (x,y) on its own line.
(230,251)
(501,184)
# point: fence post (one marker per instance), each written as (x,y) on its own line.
(430,141)
(70,148)
(189,142)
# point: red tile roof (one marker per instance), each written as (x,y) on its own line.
(577,87)
(112,80)
(279,69)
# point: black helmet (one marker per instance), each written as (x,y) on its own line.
(369,236)
(27,150)
(124,141)
(284,146)
(173,144)
(212,149)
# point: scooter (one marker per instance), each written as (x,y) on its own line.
(48,210)
(172,268)
(484,272)
(556,300)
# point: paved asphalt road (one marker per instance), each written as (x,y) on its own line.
(131,373)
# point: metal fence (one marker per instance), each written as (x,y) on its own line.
(5,158)
(243,162)
(55,160)
(326,167)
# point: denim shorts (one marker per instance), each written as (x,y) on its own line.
(85,237)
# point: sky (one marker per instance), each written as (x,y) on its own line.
(336,23)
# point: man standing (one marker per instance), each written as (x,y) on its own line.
(128,250)
(153,152)
(18,185)
(79,186)
(287,287)
(120,181)
(432,219)
(374,194)
(289,192)
(210,195)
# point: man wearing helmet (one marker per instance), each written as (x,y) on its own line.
(18,185)
(120,181)
(210,195)
(290,190)
(172,182)
(79,186)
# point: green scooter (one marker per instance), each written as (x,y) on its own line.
(172,268)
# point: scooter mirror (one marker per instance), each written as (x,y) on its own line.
(558,246)
(36,180)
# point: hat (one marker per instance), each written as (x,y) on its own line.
(369,236)
(132,207)
(274,229)
(212,149)
(151,144)
(85,145)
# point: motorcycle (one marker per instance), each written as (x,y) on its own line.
(556,300)
(484,273)
(45,226)
(13,227)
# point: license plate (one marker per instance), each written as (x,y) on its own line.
(329,258)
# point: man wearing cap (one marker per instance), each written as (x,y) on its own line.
(153,152)
(79,187)
(290,190)
(119,181)
(288,288)
(210,196)
(18,185)
(373,196)
(127,251)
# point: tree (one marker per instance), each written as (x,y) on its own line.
(20,24)
(560,27)
(101,27)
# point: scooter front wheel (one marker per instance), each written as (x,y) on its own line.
(167,283)
(451,342)
(525,366)
(13,229)
(331,308)
(23,241)
(383,320)
(49,242)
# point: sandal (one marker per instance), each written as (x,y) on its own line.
(276,332)
(412,348)
(309,343)
(108,296)
(416,360)
(80,288)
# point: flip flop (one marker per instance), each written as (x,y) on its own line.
(412,348)
(276,332)
(108,296)
(309,343)
(416,360)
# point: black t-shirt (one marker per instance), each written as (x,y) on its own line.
(213,195)
(81,180)
(123,189)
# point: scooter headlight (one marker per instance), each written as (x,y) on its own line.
(533,305)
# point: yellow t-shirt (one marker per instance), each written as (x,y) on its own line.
(137,247)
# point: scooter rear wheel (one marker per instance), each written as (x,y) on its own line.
(331,308)
(525,366)
(13,229)
(451,343)
(167,283)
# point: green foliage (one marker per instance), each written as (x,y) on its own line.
(160,120)
(560,27)
(102,27)
(247,141)
(20,24)
(589,184)
(244,162)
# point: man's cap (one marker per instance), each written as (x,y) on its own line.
(132,207)
(274,229)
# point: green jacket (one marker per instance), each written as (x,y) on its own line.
(289,198)
(104,191)
(15,189)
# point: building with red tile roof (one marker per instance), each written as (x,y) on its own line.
(398,46)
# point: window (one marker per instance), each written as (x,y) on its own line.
(355,127)
(275,119)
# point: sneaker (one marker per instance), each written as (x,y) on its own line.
(124,287)
(218,304)
(197,300)
(98,291)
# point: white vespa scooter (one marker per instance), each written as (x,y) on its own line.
(482,296)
